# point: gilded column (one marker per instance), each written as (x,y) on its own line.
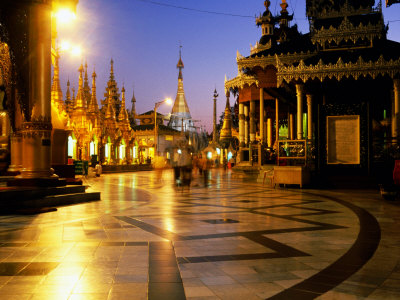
(241,125)
(396,119)
(246,124)
(262,137)
(269,132)
(16,152)
(309,117)
(291,127)
(276,120)
(36,128)
(299,92)
(252,121)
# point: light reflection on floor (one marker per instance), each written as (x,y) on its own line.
(233,239)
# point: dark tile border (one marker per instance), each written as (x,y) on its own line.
(165,280)
(358,255)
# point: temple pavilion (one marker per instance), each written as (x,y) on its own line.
(325,102)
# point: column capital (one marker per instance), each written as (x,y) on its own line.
(299,88)
(396,84)
(309,99)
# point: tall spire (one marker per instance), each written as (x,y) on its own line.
(93,105)
(56,93)
(180,114)
(80,102)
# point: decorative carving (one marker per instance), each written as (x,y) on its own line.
(339,70)
(346,31)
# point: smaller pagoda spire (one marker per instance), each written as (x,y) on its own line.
(86,88)
(110,112)
(226,131)
(123,114)
(68,100)
(80,102)
(56,93)
(73,98)
(112,70)
(93,105)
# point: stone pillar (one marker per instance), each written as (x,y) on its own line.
(299,92)
(262,137)
(269,132)
(241,125)
(291,127)
(246,124)
(396,119)
(16,152)
(252,121)
(36,128)
(309,117)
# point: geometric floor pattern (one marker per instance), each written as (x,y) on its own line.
(234,239)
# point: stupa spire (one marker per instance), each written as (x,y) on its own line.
(68,101)
(80,102)
(93,105)
(110,112)
(56,93)
(123,114)
(226,131)
(86,87)
(180,114)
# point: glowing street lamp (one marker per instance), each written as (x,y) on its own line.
(157,104)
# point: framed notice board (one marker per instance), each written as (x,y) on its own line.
(343,139)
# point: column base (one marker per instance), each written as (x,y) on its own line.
(37,182)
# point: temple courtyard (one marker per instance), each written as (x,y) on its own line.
(231,239)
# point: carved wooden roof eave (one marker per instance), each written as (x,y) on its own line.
(270,60)
(340,70)
(240,82)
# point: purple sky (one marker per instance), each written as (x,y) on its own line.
(143,39)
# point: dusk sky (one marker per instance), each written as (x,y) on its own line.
(143,38)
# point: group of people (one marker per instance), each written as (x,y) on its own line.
(184,165)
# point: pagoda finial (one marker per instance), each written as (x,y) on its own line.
(112,70)
(284,6)
(180,64)
(267,4)
(93,106)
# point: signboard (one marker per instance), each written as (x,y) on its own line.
(343,139)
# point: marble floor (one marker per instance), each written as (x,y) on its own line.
(231,239)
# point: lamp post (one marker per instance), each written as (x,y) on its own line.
(156,105)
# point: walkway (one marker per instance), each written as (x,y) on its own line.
(234,239)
